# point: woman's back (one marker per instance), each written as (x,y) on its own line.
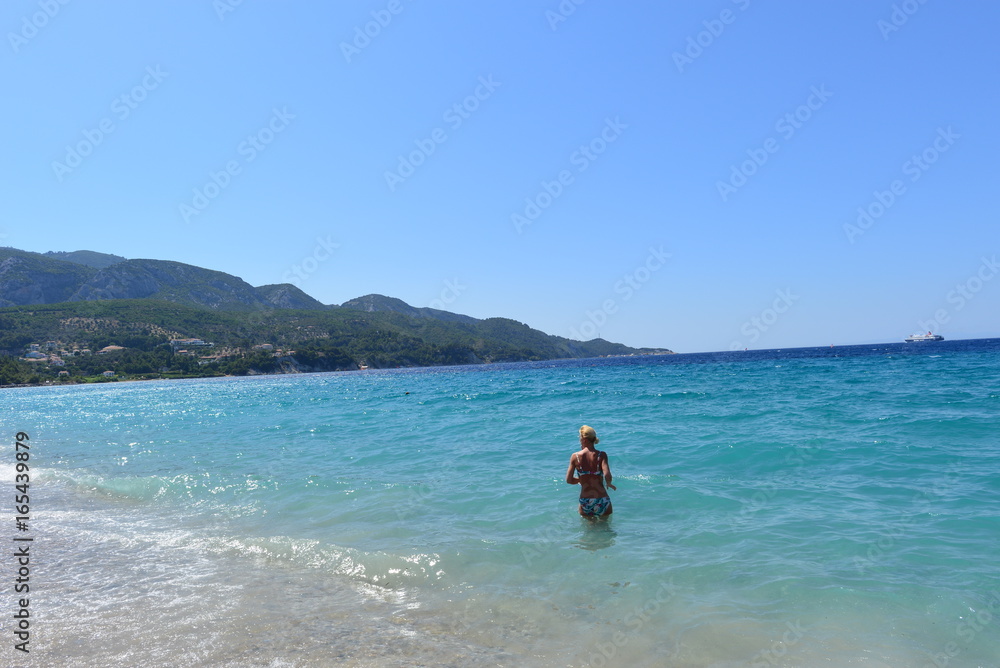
(589,468)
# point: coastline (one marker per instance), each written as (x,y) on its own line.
(290,367)
(951,345)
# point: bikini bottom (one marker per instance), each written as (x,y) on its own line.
(595,506)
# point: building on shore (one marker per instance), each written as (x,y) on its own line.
(177,344)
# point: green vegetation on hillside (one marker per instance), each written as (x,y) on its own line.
(85,257)
(298,340)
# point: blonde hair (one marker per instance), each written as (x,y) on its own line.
(589,434)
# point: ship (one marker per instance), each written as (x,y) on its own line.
(915,338)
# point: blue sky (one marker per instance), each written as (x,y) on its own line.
(692,175)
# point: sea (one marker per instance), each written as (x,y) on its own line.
(834,506)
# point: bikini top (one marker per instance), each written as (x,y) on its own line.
(598,472)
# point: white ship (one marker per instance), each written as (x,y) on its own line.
(913,338)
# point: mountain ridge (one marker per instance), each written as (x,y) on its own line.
(28,278)
(87,258)
(375,303)
(131,299)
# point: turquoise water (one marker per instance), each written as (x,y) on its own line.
(789,508)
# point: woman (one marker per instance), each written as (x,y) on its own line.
(589,468)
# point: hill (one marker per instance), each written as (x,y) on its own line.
(50,278)
(171,281)
(381,303)
(85,257)
(31,278)
(139,307)
(286,295)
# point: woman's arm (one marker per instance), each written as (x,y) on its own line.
(606,467)
(571,478)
